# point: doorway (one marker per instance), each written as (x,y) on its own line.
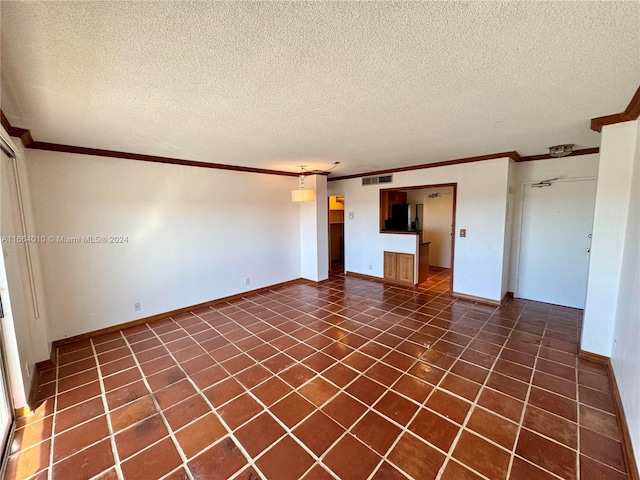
(438,229)
(555,241)
(336,233)
(437,221)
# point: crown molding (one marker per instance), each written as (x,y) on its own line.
(632,112)
(23,134)
(512,155)
(29,142)
(575,153)
(56,147)
(515,156)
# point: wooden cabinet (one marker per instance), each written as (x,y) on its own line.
(389,198)
(405,262)
(399,267)
(390,266)
(423,262)
(395,197)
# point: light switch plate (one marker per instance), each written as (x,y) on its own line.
(463,232)
(350,215)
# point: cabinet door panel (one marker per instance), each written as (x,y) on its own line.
(405,263)
(390,266)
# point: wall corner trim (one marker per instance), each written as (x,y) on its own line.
(39,368)
(632,112)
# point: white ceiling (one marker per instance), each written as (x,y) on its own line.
(274,85)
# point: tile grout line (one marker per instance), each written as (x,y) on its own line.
(474,404)
(287,430)
(526,400)
(340,390)
(107,412)
(354,310)
(160,411)
(53,422)
(230,431)
(405,428)
(578,417)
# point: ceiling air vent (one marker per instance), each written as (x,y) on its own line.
(377,180)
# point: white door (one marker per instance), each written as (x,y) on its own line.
(555,242)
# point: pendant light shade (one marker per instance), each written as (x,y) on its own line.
(302,194)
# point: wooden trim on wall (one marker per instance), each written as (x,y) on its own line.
(364,276)
(387,281)
(5,123)
(23,134)
(594,357)
(35,381)
(598,123)
(506,297)
(22,411)
(632,112)
(627,447)
(95,333)
(29,142)
(55,147)
(473,298)
(575,153)
(512,155)
(633,109)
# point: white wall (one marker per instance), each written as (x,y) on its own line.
(314,231)
(508,232)
(194,235)
(617,152)
(24,326)
(626,354)
(481,206)
(583,166)
(436,228)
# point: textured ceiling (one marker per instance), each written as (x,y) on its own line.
(373,85)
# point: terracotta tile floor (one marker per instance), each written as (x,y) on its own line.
(352,379)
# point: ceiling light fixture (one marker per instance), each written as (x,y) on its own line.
(561,150)
(302,194)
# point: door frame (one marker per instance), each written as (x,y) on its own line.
(329,230)
(453,216)
(523,185)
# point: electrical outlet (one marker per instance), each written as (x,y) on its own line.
(370,267)
(136,306)
(247,281)
(463,232)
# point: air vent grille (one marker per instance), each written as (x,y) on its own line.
(377,180)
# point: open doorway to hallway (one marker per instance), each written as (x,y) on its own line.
(336,233)
(434,207)
(438,230)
